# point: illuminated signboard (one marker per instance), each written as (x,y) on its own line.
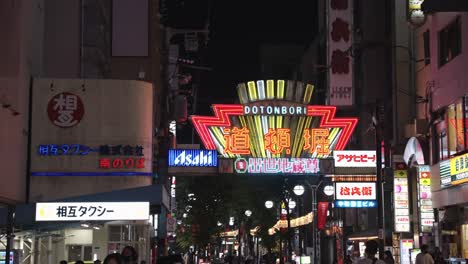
(92,211)
(277,165)
(111,156)
(426,211)
(401,202)
(355,191)
(445,177)
(459,169)
(415,14)
(274,120)
(355,158)
(192,158)
(355,204)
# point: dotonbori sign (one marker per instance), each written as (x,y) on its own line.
(65,110)
(192,158)
(274,120)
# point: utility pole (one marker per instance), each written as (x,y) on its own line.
(9,234)
(378,119)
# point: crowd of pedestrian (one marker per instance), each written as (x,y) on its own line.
(128,256)
(371,251)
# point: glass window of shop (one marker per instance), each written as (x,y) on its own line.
(452,131)
(80,252)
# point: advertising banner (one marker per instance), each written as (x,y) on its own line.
(355,190)
(322,209)
(355,158)
(340,39)
(426,211)
(401,204)
(277,165)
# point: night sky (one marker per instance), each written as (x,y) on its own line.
(237,28)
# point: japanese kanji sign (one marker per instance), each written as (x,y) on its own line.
(400,197)
(426,210)
(65,110)
(354,158)
(340,33)
(274,120)
(277,165)
(92,211)
(355,190)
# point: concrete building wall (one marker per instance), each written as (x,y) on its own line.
(62,36)
(21,24)
(451,80)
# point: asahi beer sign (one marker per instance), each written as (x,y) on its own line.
(192,158)
(65,110)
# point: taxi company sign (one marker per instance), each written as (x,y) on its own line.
(90,211)
(277,165)
(355,191)
(192,158)
(355,158)
(65,110)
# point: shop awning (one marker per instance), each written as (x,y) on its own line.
(25,213)
(413,152)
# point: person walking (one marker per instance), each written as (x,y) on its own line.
(437,256)
(388,258)
(129,255)
(113,259)
(424,257)
(370,252)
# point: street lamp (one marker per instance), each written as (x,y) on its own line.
(292,204)
(269,204)
(248,213)
(298,190)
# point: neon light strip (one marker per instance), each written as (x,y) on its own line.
(221,119)
(328,120)
(110,173)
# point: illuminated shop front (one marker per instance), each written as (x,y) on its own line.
(449,178)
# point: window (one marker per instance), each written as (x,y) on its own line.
(427,47)
(80,252)
(450,42)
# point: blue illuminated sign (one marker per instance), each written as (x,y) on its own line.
(192,158)
(83,150)
(355,204)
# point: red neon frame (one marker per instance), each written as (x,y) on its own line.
(222,112)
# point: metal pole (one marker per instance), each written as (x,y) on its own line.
(9,235)
(380,200)
(314,224)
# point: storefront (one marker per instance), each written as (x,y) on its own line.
(49,232)
(449,177)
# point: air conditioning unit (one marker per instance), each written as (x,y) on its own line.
(416,128)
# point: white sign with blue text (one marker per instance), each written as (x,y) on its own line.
(192,158)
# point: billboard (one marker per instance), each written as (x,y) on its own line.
(274,120)
(401,199)
(277,166)
(192,158)
(355,191)
(90,128)
(340,39)
(355,158)
(95,211)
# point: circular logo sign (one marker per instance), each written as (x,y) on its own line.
(65,110)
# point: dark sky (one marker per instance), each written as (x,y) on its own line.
(237,28)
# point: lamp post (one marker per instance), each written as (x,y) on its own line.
(315,242)
(299,191)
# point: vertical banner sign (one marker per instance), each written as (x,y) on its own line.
(340,39)
(322,215)
(426,212)
(401,203)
